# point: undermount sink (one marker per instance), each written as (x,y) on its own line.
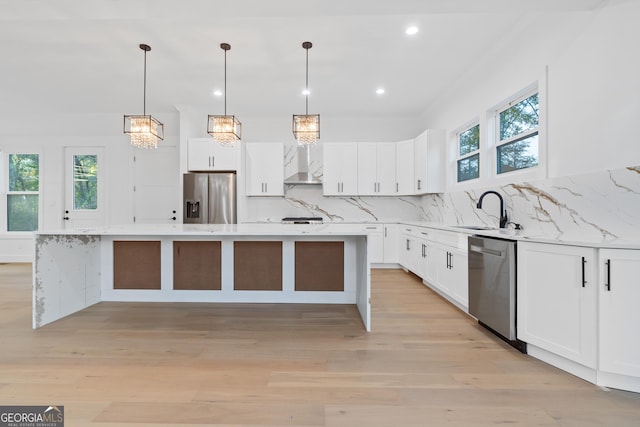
(474,227)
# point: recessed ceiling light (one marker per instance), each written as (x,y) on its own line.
(306,92)
(380,91)
(411,31)
(217,92)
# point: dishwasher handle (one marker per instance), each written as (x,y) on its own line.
(480,249)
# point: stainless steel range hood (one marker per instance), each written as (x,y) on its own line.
(303,176)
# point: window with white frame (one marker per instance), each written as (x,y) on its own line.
(468,153)
(517,134)
(23,192)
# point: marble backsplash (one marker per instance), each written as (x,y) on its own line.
(307,200)
(603,205)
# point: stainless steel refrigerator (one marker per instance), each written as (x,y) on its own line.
(209,198)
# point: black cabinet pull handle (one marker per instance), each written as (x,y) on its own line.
(584,281)
(608,284)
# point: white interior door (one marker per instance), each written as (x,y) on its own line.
(156,178)
(84,187)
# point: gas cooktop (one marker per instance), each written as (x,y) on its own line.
(302,220)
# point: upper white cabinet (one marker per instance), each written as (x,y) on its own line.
(377,169)
(619,318)
(429,162)
(205,154)
(264,171)
(340,176)
(557,301)
(404,168)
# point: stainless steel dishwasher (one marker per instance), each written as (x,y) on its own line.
(492,286)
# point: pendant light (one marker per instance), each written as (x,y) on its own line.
(145,131)
(306,128)
(224,129)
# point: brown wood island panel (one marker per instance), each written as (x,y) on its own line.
(136,264)
(319,266)
(197,265)
(257,266)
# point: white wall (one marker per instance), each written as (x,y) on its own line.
(49,134)
(593,82)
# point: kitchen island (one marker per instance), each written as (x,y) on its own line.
(245,263)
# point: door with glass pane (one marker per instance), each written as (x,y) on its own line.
(84,187)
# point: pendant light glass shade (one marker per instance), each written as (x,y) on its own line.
(144,130)
(306,127)
(224,129)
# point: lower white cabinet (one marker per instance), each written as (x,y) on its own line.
(448,270)
(557,300)
(619,297)
(376,243)
(409,249)
(391,253)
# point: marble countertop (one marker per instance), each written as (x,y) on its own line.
(257,229)
(338,228)
(523,235)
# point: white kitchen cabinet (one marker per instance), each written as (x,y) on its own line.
(557,300)
(391,253)
(619,295)
(376,242)
(430,162)
(404,168)
(448,265)
(264,169)
(205,154)
(376,169)
(408,249)
(340,174)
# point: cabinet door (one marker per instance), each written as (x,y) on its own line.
(205,154)
(429,162)
(386,168)
(376,243)
(457,277)
(367,169)
(332,167)
(199,154)
(420,164)
(619,314)
(405,246)
(273,163)
(264,169)
(349,169)
(556,305)
(391,243)
(404,168)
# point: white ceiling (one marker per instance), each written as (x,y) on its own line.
(76,56)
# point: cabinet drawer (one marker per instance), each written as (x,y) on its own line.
(451,238)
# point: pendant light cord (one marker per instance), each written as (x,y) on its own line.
(144,91)
(225,82)
(307,84)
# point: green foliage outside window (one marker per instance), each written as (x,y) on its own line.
(85,182)
(519,119)
(469,142)
(22,200)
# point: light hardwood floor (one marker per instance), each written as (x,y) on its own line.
(424,364)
